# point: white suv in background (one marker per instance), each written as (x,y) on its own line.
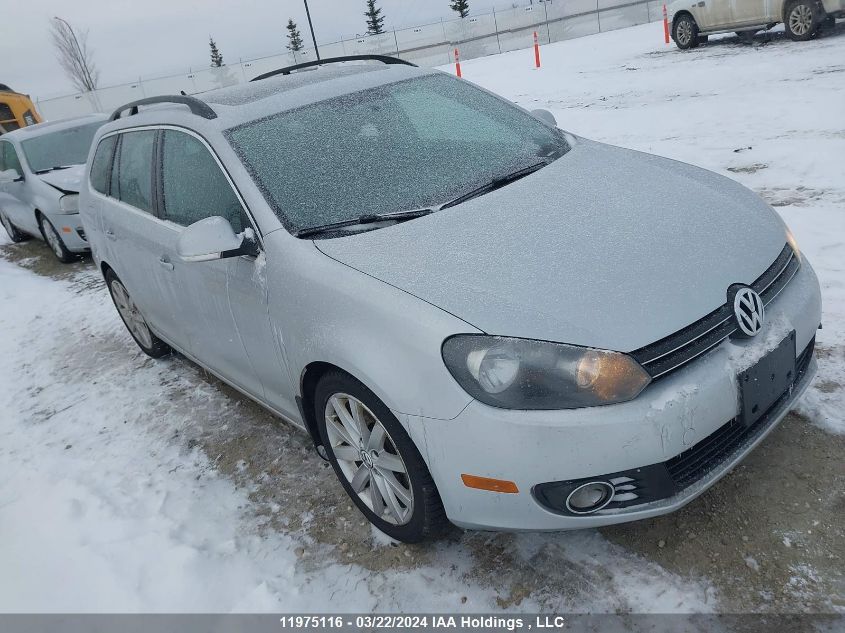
(40,169)
(693,21)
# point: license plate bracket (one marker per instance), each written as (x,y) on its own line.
(762,384)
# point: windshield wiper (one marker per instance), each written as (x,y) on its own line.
(373,218)
(496,183)
(49,169)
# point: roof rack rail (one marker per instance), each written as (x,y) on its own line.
(384,59)
(200,108)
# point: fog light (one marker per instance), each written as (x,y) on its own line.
(589,497)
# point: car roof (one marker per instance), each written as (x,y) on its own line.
(39,129)
(254,100)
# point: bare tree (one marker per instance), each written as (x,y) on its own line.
(74,55)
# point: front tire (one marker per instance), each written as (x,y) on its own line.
(802,19)
(55,241)
(15,234)
(132,318)
(376,462)
(685,32)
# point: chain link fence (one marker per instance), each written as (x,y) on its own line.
(427,45)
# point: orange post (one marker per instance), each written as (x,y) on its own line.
(665,25)
(536,50)
(458,62)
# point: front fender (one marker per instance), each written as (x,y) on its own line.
(383,336)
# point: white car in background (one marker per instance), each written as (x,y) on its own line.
(40,170)
(693,21)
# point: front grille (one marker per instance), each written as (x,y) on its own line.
(660,481)
(676,350)
(81,234)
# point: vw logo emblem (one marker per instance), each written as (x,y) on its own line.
(749,311)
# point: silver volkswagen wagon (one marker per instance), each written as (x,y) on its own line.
(478,317)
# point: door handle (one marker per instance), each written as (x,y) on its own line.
(110,234)
(164,263)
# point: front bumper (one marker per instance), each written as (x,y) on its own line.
(72,231)
(673,416)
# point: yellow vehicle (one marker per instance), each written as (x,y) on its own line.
(16,110)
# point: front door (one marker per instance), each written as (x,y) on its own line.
(230,330)
(12,186)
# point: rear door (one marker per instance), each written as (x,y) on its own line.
(142,245)
(749,12)
(713,14)
(230,325)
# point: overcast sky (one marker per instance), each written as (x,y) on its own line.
(143,38)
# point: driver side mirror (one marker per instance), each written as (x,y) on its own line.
(545,116)
(11,175)
(213,238)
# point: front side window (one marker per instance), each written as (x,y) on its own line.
(135,170)
(193,185)
(10,158)
(413,144)
(101,163)
(60,149)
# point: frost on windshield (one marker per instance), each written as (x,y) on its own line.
(407,145)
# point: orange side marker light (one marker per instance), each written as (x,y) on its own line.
(493,485)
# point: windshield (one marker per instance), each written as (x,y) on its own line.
(414,144)
(61,148)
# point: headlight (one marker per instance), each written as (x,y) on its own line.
(69,203)
(790,238)
(513,373)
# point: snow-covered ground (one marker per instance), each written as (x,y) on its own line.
(128,484)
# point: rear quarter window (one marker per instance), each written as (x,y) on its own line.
(135,170)
(100,166)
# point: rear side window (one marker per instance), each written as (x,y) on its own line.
(135,170)
(100,165)
(193,184)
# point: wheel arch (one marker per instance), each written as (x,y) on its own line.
(38,215)
(308,381)
(680,14)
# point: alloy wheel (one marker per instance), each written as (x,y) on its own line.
(52,237)
(131,315)
(801,19)
(369,459)
(684,32)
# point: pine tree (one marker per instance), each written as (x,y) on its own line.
(216,56)
(461,7)
(294,37)
(375,20)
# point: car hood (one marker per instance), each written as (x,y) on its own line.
(606,247)
(65,180)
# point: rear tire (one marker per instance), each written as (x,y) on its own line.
(55,241)
(15,234)
(376,462)
(685,32)
(149,343)
(801,19)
